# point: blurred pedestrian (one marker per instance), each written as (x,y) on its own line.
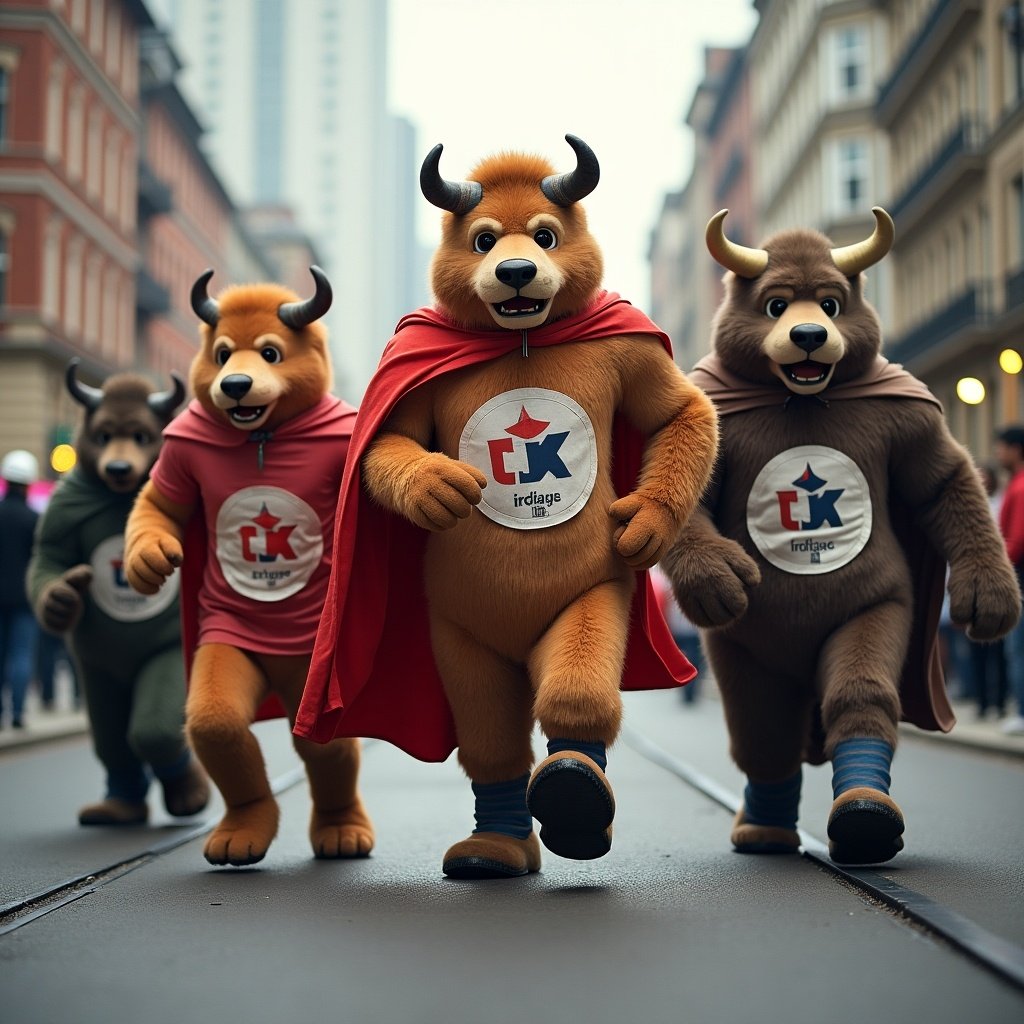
(51,651)
(1009,452)
(988,671)
(18,628)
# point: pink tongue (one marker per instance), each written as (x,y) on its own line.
(807,371)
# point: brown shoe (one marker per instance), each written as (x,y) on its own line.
(571,798)
(114,811)
(865,826)
(492,855)
(750,838)
(188,793)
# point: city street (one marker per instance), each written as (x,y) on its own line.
(670,926)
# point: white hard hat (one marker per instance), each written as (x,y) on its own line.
(19,467)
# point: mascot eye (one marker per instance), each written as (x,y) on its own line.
(221,356)
(775,308)
(485,241)
(103,437)
(141,438)
(831,308)
(545,238)
(271,354)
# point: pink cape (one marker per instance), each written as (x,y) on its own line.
(373,671)
(330,417)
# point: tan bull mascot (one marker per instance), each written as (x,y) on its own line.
(244,492)
(815,563)
(527,449)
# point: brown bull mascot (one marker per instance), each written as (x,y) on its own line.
(815,563)
(244,493)
(527,450)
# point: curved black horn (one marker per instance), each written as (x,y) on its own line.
(458,197)
(84,394)
(566,189)
(202,305)
(298,314)
(163,403)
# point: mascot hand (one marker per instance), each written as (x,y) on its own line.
(712,581)
(62,602)
(442,491)
(647,529)
(984,598)
(150,559)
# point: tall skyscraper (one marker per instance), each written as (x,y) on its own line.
(294,99)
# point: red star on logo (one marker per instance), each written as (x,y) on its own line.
(265,519)
(527,427)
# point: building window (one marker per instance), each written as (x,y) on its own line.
(5,97)
(5,263)
(51,270)
(1017,222)
(853,175)
(75,132)
(55,111)
(73,287)
(851,61)
(94,153)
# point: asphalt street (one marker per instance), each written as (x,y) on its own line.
(670,926)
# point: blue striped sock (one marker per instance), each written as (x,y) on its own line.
(594,750)
(773,803)
(501,807)
(861,762)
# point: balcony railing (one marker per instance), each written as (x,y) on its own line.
(971,308)
(967,140)
(1014,290)
(154,196)
(151,297)
(943,19)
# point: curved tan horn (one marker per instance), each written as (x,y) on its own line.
(743,262)
(852,259)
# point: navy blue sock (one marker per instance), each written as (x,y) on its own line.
(501,807)
(130,786)
(174,770)
(861,762)
(594,750)
(773,803)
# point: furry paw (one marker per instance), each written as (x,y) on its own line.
(647,529)
(151,558)
(244,834)
(442,491)
(984,599)
(344,833)
(61,603)
(712,581)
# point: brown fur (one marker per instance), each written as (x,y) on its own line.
(795,653)
(513,646)
(227,685)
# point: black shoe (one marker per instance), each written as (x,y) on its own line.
(17,723)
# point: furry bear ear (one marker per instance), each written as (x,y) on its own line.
(163,403)
(85,395)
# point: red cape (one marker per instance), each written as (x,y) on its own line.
(373,671)
(923,697)
(331,417)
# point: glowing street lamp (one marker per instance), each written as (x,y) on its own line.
(1010,361)
(970,391)
(63,458)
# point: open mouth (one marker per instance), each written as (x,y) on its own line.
(519,305)
(807,373)
(246,413)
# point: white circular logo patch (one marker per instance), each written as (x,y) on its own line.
(269,542)
(537,449)
(110,590)
(809,510)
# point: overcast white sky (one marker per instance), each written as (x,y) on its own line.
(485,75)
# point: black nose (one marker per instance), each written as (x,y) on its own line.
(808,336)
(517,273)
(118,469)
(236,385)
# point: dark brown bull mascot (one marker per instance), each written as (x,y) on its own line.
(127,647)
(815,564)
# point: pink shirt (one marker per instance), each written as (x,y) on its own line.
(264,551)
